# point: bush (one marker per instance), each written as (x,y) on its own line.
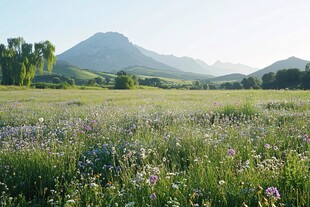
(124,82)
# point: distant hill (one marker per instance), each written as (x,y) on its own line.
(292,62)
(188,64)
(147,71)
(228,68)
(109,51)
(68,70)
(230,77)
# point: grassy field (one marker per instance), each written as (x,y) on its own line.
(154,148)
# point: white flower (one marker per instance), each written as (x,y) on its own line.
(221,182)
(70,201)
(41,120)
(94,185)
(175,186)
(130,204)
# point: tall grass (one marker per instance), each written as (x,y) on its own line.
(153,148)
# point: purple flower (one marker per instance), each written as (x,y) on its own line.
(152,196)
(273,192)
(87,128)
(231,152)
(153,179)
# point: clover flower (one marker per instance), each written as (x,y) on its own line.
(153,179)
(273,192)
(231,152)
(152,196)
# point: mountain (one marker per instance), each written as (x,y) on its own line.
(107,51)
(292,62)
(227,68)
(147,71)
(230,77)
(188,64)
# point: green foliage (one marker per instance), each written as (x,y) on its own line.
(155,82)
(251,83)
(99,80)
(56,80)
(20,60)
(287,78)
(154,148)
(124,81)
(268,80)
(307,68)
(42,85)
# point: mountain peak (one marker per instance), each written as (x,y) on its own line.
(108,51)
(291,62)
(108,34)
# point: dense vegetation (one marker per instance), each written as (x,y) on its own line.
(20,60)
(154,148)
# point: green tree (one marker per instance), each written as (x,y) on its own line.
(236,86)
(251,83)
(305,77)
(288,78)
(307,67)
(121,72)
(70,81)
(268,81)
(20,60)
(226,85)
(107,80)
(56,80)
(135,80)
(205,86)
(124,82)
(99,80)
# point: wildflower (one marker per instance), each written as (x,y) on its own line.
(273,192)
(41,120)
(275,148)
(93,185)
(152,196)
(175,186)
(221,182)
(153,179)
(87,128)
(130,204)
(267,146)
(70,201)
(109,184)
(231,152)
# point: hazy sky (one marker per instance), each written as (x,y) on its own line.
(252,32)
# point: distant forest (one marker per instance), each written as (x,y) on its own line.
(283,79)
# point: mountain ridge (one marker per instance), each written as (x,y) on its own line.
(291,62)
(113,51)
(188,64)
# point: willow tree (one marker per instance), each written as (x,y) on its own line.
(19,60)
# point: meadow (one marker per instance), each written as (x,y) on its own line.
(165,148)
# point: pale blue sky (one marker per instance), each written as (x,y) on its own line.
(252,32)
